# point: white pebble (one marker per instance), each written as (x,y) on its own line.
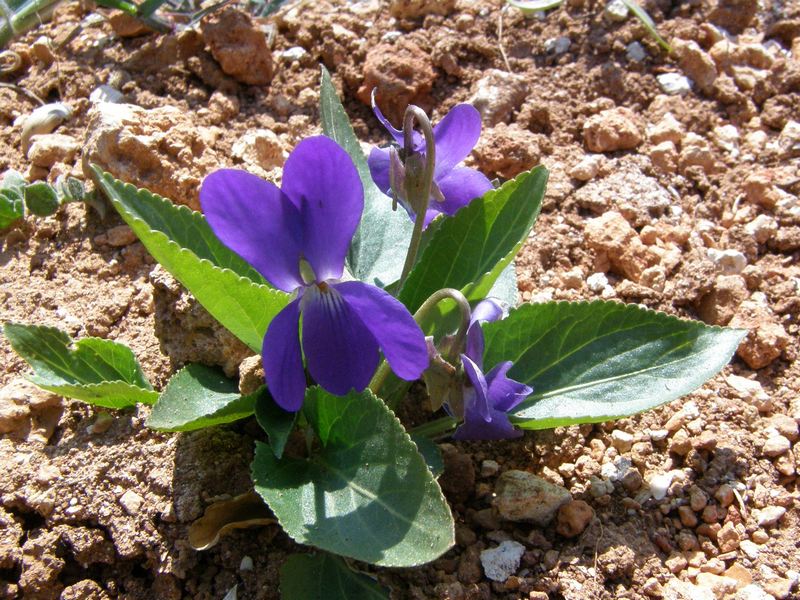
(246,564)
(596,282)
(731,262)
(750,549)
(616,10)
(557,45)
(674,83)
(502,562)
(294,54)
(659,484)
(769,516)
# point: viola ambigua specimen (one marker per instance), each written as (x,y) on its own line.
(453,186)
(297,237)
(487,397)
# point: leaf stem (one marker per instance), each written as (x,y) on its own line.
(463,306)
(418,185)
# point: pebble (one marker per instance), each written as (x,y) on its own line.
(730,262)
(760,536)
(246,564)
(775,446)
(497,94)
(769,516)
(728,538)
(750,549)
(597,282)
(752,592)
(668,129)
(106,93)
(522,496)
(611,130)
(616,10)
(752,391)
(587,168)
(779,587)
(621,440)
(502,562)
(49,148)
(557,45)
(131,502)
(489,468)
(659,484)
(674,83)
(762,228)
(573,518)
(635,52)
(294,54)
(786,426)
(719,585)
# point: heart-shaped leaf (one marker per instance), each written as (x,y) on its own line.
(325,577)
(597,361)
(365,492)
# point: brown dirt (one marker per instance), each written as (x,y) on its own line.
(93,507)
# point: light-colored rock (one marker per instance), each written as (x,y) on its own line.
(674,84)
(727,138)
(260,148)
(522,496)
(557,45)
(750,549)
(49,148)
(719,585)
(106,93)
(635,52)
(752,592)
(775,446)
(728,538)
(664,157)
(161,149)
(769,516)
(498,94)
(622,440)
(611,130)
(587,168)
(696,63)
(239,46)
(751,390)
(730,262)
(762,228)
(615,11)
(627,190)
(668,129)
(294,54)
(20,400)
(507,150)
(611,234)
(719,306)
(597,282)
(502,562)
(759,188)
(131,502)
(785,425)
(489,468)
(676,589)
(659,484)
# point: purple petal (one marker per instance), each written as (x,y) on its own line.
(456,136)
(321,180)
(399,336)
(378,162)
(397,134)
(341,353)
(256,221)
(459,187)
(480,405)
(490,309)
(282,360)
(505,393)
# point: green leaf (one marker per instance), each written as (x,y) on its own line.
(181,240)
(41,199)
(197,397)
(532,6)
(97,371)
(276,422)
(12,208)
(470,250)
(70,189)
(325,577)
(365,492)
(431,453)
(379,246)
(597,361)
(648,23)
(505,288)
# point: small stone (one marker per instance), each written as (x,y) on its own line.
(696,63)
(611,234)
(246,564)
(557,45)
(414,9)
(611,130)
(616,11)
(674,83)
(635,52)
(785,426)
(760,536)
(659,484)
(687,516)
(740,574)
(676,563)
(664,157)
(239,46)
(502,562)
(762,228)
(120,236)
(106,93)
(261,148)
(775,446)
(668,129)
(730,262)
(779,587)
(521,496)
(752,391)
(621,440)
(698,499)
(680,443)
(728,538)
(101,424)
(498,94)
(573,518)
(131,502)
(753,592)
(597,282)
(49,148)
(719,585)
(750,549)
(489,468)
(294,54)
(766,338)
(587,168)
(769,516)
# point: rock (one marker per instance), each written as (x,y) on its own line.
(719,306)
(87,589)
(127,26)
(734,15)
(521,496)
(611,130)
(507,150)
(294,54)
(786,426)
(573,518)
(617,562)
(260,148)
(497,94)
(769,516)
(719,585)
(762,228)
(728,538)
(730,262)
(627,190)
(612,235)
(131,502)
(696,63)
(664,157)
(413,9)
(469,565)
(616,11)
(668,129)
(779,588)
(251,374)
(674,84)
(740,574)
(587,168)
(766,339)
(489,468)
(621,440)
(20,401)
(753,592)
(161,149)
(106,93)
(697,153)
(751,391)
(502,562)
(239,46)
(659,484)
(635,52)
(750,549)
(49,148)
(775,446)
(120,236)
(403,74)
(597,282)
(557,45)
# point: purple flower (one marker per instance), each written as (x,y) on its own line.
(487,397)
(455,137)
(297,238)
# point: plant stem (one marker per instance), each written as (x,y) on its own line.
(22,18)
(434,429)
(418,193)
(464,310)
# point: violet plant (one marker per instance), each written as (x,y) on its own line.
(323,274)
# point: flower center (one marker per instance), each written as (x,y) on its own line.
(307,272)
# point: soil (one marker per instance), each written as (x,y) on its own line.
(684,203)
